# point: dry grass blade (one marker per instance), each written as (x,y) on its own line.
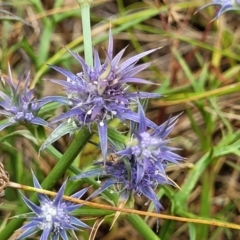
(95,228)
(4,180)
(126,210)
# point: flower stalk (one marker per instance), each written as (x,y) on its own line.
(86,27)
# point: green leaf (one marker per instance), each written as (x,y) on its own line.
(25,133)
(63,129)
(142,227)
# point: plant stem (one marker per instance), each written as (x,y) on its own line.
(142,227)
(86,26)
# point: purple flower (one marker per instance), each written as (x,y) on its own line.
(100,93)
(224,6)
(140,168)
(20,106)
(52,217)
(151,147)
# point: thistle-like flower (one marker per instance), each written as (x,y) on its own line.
(224,6)
(151,148)
(100,93)
(52,217)
(20,106)
(141,166)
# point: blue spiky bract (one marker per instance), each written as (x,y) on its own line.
(52,217)
(100,93)
(20,105)
(141,167)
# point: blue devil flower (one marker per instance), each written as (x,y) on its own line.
(140,168)
(225,5)
(20,106)
(101,92)
(52,217)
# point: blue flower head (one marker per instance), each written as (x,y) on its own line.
(19,106)
(225,5)
(141,166)
(100,93)
(53,217)
(149,148)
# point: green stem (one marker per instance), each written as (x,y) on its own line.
(141,226)
(86,26)
(66,160)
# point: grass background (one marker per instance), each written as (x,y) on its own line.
(197,69)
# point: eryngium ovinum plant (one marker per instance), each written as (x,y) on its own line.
(139,168)
(94,96)
(100,93)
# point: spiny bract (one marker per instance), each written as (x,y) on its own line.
(52,217)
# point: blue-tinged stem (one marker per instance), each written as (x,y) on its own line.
(86,26)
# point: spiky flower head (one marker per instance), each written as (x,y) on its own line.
(141,166)
(151,146)
(53,217)
(224,6)
(101,92)
(20,105)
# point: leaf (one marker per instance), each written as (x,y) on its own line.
(61,130)
(121,203)
(25,133)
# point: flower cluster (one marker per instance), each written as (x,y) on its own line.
(141,166)
(97,94)
(225,6)
(100,93)
(52,217)
(20,106)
